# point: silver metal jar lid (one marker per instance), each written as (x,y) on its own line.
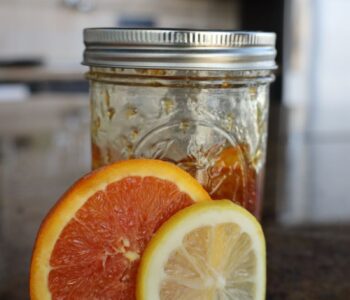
(179,49)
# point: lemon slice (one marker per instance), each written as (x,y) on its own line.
(212,250)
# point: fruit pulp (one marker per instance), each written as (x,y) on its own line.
(108,245)
(228,174)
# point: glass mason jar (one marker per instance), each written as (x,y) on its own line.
(198,99)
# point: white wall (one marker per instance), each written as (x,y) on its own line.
(48,29)
(317,62)
(298,51)
(317,83)
(332,47)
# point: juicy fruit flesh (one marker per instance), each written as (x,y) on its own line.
(98,252)
(214,262)
(227,173)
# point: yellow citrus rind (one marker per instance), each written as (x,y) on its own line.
(170,236)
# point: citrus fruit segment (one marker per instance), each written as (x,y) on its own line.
(210,250)
(226,173)
(90,244)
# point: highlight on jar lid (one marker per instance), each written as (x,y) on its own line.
(179,49)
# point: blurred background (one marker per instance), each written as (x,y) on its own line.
(44,113)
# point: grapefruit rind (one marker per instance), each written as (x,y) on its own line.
(170,236)
(80,192)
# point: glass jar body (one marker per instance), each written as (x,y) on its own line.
(213,124)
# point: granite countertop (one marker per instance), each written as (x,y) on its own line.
(308,262)
(44,147)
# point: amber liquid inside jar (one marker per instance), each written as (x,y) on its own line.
(212,124)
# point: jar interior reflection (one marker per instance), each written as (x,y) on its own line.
(213,124)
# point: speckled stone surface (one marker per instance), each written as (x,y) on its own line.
(306,263)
